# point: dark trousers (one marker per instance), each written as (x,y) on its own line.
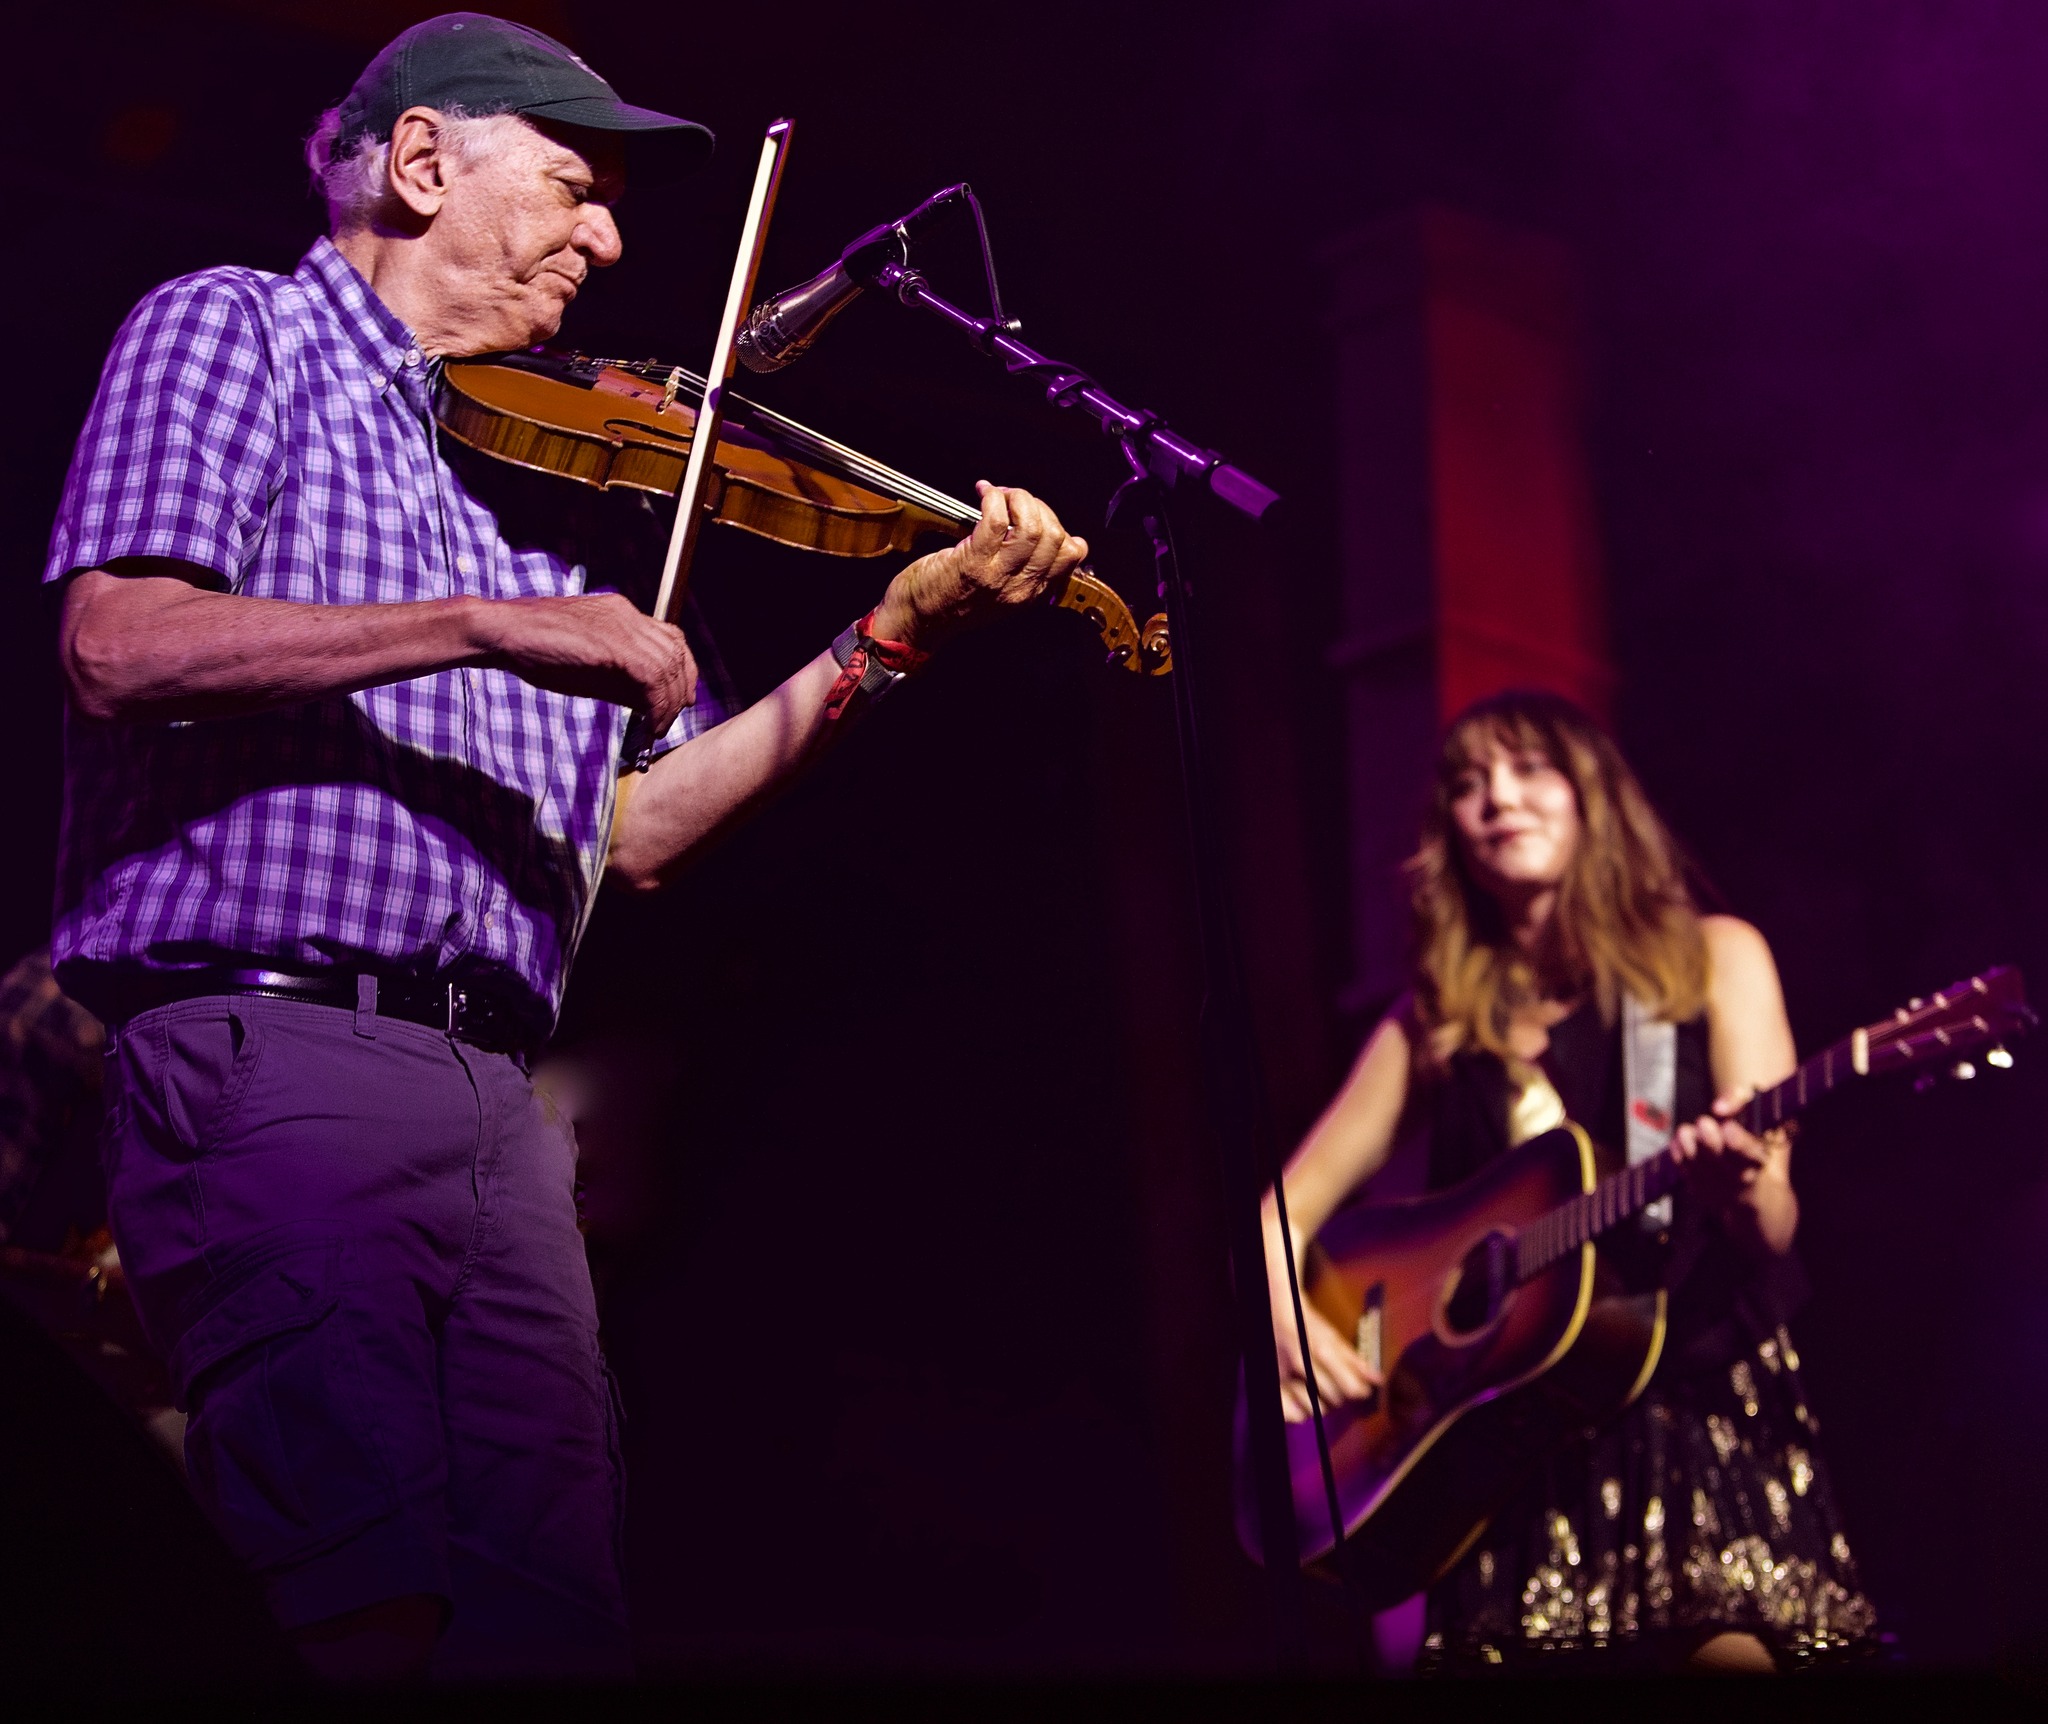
(354,1239)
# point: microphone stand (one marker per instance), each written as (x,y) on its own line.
(1159,459)
(1163,455)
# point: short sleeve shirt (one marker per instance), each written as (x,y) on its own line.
(278,433)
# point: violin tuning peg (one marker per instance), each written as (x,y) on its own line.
(2000,1058)
(1962,1071)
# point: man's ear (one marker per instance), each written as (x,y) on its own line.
(418,169)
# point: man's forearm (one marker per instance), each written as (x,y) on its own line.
(154,647)
(695,792)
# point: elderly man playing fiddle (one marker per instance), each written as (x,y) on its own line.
(341,748)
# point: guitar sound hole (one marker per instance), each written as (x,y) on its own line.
(1476,1299)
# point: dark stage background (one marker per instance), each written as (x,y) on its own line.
(908,1235)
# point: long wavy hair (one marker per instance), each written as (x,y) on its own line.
(1626,921)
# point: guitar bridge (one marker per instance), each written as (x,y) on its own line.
(1368,1341)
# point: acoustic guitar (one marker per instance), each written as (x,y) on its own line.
(1501,1332)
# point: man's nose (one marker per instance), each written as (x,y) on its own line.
(597,236)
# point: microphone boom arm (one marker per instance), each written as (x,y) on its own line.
(1167,455)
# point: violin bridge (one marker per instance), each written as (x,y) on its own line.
(668,395)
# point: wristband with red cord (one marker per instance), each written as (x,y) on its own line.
(868,668)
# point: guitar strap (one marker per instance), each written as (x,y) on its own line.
(1649,1077)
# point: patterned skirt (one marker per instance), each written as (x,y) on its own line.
(1703,1509)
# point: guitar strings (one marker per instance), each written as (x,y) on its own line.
(1583,1218)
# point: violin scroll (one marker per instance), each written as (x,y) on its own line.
(1155,646)
(1146,652)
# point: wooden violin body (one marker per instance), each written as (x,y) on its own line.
(604,424)
(610,423)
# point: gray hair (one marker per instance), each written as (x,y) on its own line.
(357,186)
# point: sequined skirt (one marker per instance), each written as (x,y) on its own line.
(1703,1509)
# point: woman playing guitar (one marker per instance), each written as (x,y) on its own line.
(1697,1528)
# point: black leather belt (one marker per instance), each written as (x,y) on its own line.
(497,1020)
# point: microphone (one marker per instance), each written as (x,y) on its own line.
(779,331)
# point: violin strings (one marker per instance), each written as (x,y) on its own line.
(860,468)
(850,464)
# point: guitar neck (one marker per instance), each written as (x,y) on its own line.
(1624,1195)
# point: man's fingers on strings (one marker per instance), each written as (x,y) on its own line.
(1051,533)
(1034,554)
(1068,555)
(996,515)
(1047,539)
(1020,535)
(1036,528)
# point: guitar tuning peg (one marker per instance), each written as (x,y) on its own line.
(2000,1058)
(1962,1071)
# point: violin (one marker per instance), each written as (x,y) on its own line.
(614,423)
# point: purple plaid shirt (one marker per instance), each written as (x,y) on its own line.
(277,432)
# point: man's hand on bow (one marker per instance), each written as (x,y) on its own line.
(597,645)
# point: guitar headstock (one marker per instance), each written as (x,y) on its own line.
(1945,1029)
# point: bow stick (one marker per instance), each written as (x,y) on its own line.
(682,540)
(690,511)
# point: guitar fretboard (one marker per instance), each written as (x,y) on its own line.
(1627,1193)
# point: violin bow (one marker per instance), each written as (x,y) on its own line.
(682,539)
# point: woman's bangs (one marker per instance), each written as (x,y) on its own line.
(1473,742)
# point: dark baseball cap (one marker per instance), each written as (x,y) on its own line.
(486,65)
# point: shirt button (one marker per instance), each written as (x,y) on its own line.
(462,565)
(377,380)
(412,356)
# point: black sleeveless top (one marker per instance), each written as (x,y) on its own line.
(1721,1295)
